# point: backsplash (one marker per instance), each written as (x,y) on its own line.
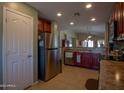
(118,45)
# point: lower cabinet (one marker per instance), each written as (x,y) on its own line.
(88,60)
(96,61)
(77,58)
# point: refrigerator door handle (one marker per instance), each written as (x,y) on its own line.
(51,48)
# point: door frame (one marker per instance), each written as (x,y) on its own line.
(4,62)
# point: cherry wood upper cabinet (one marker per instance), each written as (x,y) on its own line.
(47,26)
(118,15)
(44,25)
(122,14)
(40,25)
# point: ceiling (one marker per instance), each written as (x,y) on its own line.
(100,10)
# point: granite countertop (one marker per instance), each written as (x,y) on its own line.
(111,75)
(81,51)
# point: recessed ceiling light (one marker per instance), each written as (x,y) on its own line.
(88,5)
(93,19)
(59,14)
(71,23)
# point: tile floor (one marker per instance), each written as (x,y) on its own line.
(72,78)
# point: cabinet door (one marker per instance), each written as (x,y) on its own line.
(47,26)
(123,17)
(40,25)
(118,13)
(95,61)
(86,60)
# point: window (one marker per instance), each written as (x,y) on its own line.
(70,45)
(87,43)
(100,43)
(90,43)
(84,43)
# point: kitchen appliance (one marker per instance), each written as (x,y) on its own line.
(48,55)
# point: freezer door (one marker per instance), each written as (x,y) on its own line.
(52,40)
(52,61)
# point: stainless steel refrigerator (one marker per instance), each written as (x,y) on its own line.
(48,55)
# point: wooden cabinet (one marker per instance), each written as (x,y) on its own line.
(91,60)
(118,15)
(84,59)
(87,60)
(40,25)
(95,61)
(47,26)
(77,58)
(63,43)
(44,25)
(123,16)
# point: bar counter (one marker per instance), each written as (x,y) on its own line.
(85,59)
(111,75)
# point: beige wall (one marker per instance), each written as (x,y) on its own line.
(70,35)
(1,27)
(24,8)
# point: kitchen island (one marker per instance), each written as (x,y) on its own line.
(111,75)
(85,59)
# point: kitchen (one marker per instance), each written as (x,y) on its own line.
(88,49)
(64,46)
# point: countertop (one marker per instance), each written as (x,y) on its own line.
(79,51)
(111,75)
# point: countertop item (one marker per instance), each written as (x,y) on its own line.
(111,75)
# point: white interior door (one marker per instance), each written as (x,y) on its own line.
(19,50)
